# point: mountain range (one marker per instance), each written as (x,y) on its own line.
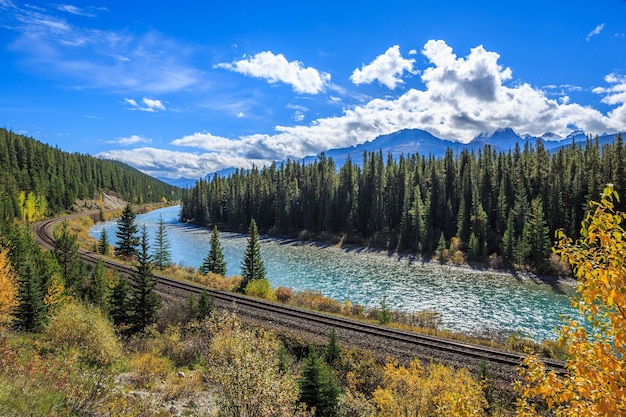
(409,141)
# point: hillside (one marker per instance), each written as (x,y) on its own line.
(53,179)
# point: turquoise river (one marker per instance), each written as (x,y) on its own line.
(467,300)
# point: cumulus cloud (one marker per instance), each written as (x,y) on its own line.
(595,32)
(386,69)
(463,96)
(174,164)
(131,140)
(147,104)
(276,68)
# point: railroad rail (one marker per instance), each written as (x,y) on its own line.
(420,345)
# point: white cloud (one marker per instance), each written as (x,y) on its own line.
(386,69)
(93,58)
(174,164)
(240,115)
(68,8)
(275,68)
(131,140)
(464,96)
(147,104)
(595,32)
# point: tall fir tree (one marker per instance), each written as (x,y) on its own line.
(214,261)
(66,253)
(318,387)
(103,242)
(162,255)
(31,311)
(128,241)
(144,301)
(119,302)
(252,267)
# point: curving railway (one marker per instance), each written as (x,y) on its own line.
(383,341)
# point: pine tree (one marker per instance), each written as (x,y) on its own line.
(536,234)
(100,287)
(66,253)
(333,349)
(127,234)
(162,256)
(144,300)
(119,302)
(214,261)
(31,312)
(103,242)
(204,305)
(252,267)
(318,387)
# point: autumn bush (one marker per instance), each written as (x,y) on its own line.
(8,290)
(260,288)
(284,294)
(595,380)
(85,330)
(243,367)
(435,390)
(148,367)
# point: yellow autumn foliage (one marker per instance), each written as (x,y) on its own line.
(595,383)
(436,390)
(8,290)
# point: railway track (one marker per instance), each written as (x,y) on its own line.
(410,344)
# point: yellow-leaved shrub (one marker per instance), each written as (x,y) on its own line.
(435,390)
(8,290)
(85,330)
(595,382)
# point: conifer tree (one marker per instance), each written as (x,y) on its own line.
(144,300)
(31,312)
(127,234)
(66,253)
(103,242)
(333,349)
(252,267)
(100,287)
(205,305)
(119,302)
(162,255)
(214,261)
(318,387)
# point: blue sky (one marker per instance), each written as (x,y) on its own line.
(187,88)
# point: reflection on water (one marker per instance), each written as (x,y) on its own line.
(467,300)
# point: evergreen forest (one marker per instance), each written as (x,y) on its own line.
(483,205)
(37,179)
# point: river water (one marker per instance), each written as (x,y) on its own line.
(467,300)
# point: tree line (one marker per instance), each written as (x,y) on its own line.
(37,179)
(481,204)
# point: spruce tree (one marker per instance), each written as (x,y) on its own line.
(119,302)
(127,234)
(252,267)
(214,261)
(205,305)
(103,242)
(162,255)
(31,311)
(333,349)
(66,253)
(318,387)
(144,300)
(100,288)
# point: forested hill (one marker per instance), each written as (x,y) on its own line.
(478,205)
(36,174)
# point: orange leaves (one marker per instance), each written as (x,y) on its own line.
(596,382)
